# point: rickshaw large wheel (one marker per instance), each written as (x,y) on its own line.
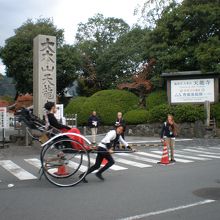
(62,164)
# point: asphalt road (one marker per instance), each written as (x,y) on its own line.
(184,190)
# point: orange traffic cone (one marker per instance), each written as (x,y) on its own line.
(61,171)
(104,162)
(165,157)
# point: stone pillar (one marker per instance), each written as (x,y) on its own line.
(207,112)
(44,72)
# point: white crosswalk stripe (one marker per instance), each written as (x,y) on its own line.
(139,158)
(34,161)
(209,156)
(131,163)
(124,161)
(159,156)
(148,154)
(201,151)
(16,170)
(215,148)
(189,157)
(178,160)
(75,166)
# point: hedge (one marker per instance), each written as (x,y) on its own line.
(75,105)
(138,116)
(215,112)
(159,113)
(189,113)
(106,103)
(181,113)
(156,98)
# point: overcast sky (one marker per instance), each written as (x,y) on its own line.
(66,14)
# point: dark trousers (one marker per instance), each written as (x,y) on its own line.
(104,154)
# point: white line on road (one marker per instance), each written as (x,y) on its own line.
(215,148)
(205,149)
(178,160)
(209,156)
(131,163)
(16,170)
(148,154)
(190,157)
(139,158)
(167,210)
(74,165)
(201,151)
(34,161)
(154,141)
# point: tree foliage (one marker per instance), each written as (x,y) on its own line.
(179,36)
(93,39)
(151,11)
(17,54)
(7,87)
(103,31)
(141,82)
(124,57)
(68,63)
(187,37)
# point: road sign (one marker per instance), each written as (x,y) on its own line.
(3,117)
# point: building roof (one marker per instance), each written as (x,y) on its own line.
(4,103)
(189,74)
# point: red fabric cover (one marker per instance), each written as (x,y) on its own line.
(76,138)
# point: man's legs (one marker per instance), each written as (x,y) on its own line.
(97,164)
(110,160)
(100,156)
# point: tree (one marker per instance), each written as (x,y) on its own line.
(141,83)
(93,39)
(103,31)
(7,87)
(17,54)
(151,11)
(187,37)
(124,57)
(68,63)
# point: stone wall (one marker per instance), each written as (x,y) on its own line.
(185,130)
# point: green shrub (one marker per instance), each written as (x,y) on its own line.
(75,105)
(215,112)
(156,98)
(126,100)
(138,116)
(189,113)
(106,103)
(159,113)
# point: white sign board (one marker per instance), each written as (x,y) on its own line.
(192,90)
(59,113)
(3,117)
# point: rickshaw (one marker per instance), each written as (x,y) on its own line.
(63,156)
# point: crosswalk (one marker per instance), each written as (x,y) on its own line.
(147,158)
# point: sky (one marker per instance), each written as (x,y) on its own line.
(66,14)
